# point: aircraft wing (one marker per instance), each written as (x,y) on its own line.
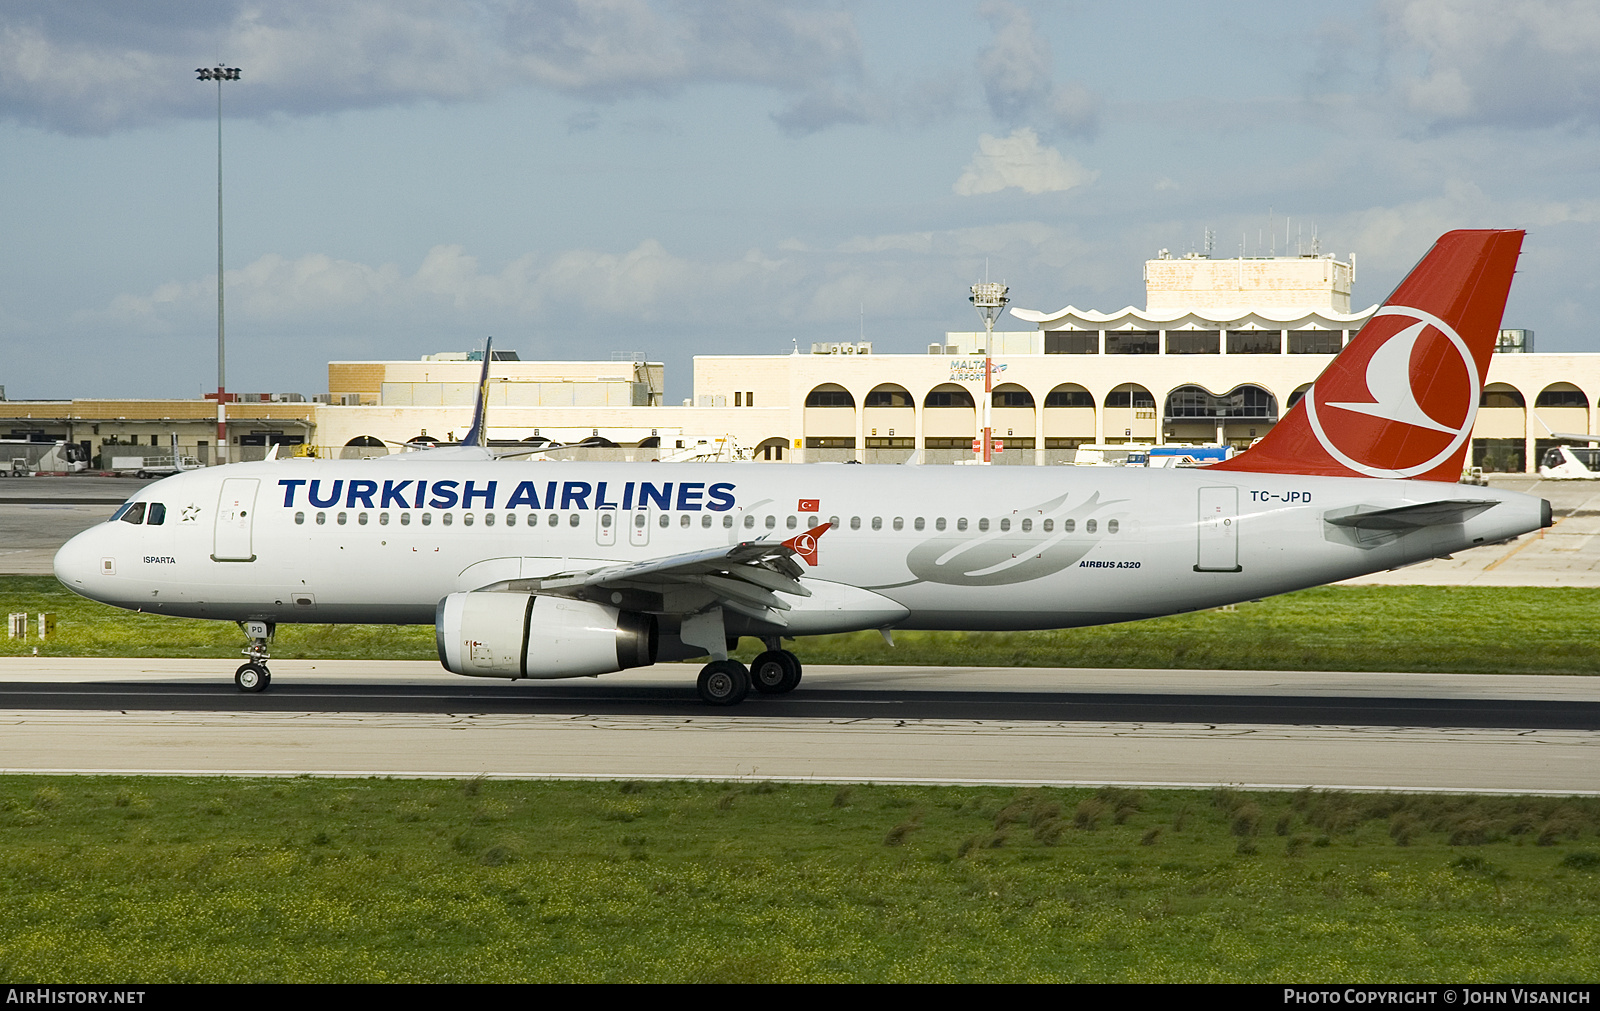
(1411,517)
(746,578)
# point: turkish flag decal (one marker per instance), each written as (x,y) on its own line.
(809,505)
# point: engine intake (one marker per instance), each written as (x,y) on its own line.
(523,635)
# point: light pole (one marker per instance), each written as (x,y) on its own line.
(989,298)
(219,74)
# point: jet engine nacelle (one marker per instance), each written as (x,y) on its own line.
(522,635)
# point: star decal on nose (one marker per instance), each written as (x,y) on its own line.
(190,513)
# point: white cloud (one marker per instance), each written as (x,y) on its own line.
(93,66)
(896,275)
(1516,63)
(1020,162)
(1018,75)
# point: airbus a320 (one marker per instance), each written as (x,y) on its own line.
(556,570)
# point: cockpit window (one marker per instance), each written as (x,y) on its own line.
(157,514)
(135,513)
(124,507)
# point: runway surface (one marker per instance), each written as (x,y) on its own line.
(881,724)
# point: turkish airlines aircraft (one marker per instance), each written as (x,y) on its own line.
(549,570)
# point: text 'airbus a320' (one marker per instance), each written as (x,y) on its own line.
(555,570)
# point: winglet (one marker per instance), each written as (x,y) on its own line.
(478,434)
(805,545)
(1400,400)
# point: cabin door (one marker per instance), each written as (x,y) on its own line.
(1218,530)
(236,515)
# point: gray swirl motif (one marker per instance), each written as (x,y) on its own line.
(997,557)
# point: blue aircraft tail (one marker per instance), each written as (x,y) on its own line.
(478,435)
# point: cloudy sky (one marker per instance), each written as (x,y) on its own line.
(578,177)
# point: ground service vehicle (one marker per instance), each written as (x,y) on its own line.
(22,457)
(556,570)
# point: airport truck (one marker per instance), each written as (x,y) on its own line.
(22,458)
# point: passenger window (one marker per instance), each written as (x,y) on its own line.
(727,521)
(983,524)
(157,514)
(877,522)
(573,520)
(793,522)
(322,519)
(684,521)
(705,520)
(1027,525)
(1111,526)
(749,522)
(447,518)
(605,520)
(343,517)
(938,524)
(772,522)
(899,524)
(811,521)
(1088,526)
(663,521)
(135,513)
(961,524)
(361,518)
(639,520)
(427,519)
(300,518)
(833,522)
(555,518)
(855,523)
(466,519)
(488,519)
(383,519)
(919,523)
(1068,525)
(405,519)
(1048,525)
(511,519)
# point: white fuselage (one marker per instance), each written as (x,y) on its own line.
(911,547)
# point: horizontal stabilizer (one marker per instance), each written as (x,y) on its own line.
(1411,517)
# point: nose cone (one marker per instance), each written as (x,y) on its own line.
(79,565)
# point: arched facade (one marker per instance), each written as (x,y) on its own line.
(363,447)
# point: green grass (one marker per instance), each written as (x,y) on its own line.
(151,880)
(1520,630)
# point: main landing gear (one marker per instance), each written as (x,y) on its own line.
(727,682)
(253,676)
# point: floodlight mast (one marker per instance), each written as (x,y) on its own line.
(219,74)
(989,298)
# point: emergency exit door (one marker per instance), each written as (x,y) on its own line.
(236,514)
(1218,531)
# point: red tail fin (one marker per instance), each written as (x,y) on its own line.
(1400,400)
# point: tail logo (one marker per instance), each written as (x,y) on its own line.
(805,545)
(1406,409)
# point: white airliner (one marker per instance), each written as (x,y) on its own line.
(549,570)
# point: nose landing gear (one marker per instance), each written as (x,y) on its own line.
(253,675)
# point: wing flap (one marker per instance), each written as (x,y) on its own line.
(746,577)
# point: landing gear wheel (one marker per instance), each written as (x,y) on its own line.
(724,683)
(252,677)
(775,672)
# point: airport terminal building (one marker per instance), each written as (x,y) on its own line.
(1221,349)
